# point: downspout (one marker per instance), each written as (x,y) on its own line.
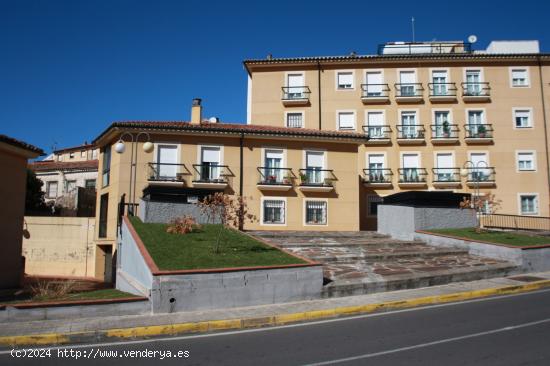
(544,120)
(241,175)
(319,91)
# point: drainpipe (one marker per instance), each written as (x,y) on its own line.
(241,175)
(319,90)
(544,120)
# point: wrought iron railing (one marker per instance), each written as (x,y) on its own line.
(211,173)
(275,176)
(317,177)
(443,175)
(377,132)
(442,89)
(410,132)
(412,175)
(377,176)
(375,91)
(476,89)
(479,131)
(480,175)
(167,172)
(515,222)
(296,92)
(408,89)
(444,131)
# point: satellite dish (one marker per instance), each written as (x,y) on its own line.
(472,39)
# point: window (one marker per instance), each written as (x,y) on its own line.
(103,206)
(375,124)
(439,80)
(442,124)
(529,204)
(210,161)
(376,168)
(315,162)
(522,118)
(407,80)
(526,161)
(444,166)
(473,82)
(346,120)
(94,154)
(295,86)
(273,211)
(372,204)
(71,155)
(411,165)
(70,185)
(294,119)
(374,84)
(83,153)
(90,183)
(408,126)
(272,166)
(51,189)
(166,160)
(316,212)
(479,171)
(106,166)
(345,80)
(519,78)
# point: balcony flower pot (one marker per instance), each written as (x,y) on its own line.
(286,180)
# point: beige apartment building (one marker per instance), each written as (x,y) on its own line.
(427,108)
(328,137)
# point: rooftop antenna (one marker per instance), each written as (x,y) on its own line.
(412,26)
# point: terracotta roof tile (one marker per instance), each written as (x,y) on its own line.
(64,165)
(20,144)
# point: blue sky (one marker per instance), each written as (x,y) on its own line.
(70,68)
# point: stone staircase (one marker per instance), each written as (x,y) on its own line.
(363,262)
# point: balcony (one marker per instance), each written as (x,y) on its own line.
(476,92)
(480,177)
(375,93)
(410,134)
(167,174)
(412,177)
(479,133)
(409,93)
(442,92)
(316,180)
(377,178)
(275,179)
(211,176)
(295,95)
(446,177)
(378,135)
(444,134)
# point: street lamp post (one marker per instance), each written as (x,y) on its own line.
(464,172)
(120,147)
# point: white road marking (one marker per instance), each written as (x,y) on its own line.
(274,328)
(429,344)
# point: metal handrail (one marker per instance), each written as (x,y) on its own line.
(384,132)
(376,175)
(482,130)
(207,173)
(382,92)
(449,92)
(295,92)
(316,177)
(438,131)
(412,175)
(517,222)
(425,48)
(408,89)
(155,173)
(446,175)
(480,174)
(475,89)
(276,179)
(404,133)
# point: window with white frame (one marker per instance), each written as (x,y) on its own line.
(407,79)
(375,124)
(295,119)
(83,153)
(273,211)
(51,189)
(372,204)
(210,161)
(71,155)
(94,154)
(345,79)
(526,161)
(316,212)
(374,83)
(529,204)
(70,185)
(522,118)
(346,120)
(519,78)
(315,163)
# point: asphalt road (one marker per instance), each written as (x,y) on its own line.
(511,330)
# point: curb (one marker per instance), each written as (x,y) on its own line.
(246,323)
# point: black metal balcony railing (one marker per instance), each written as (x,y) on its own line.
(375,91)
(377,132)
(316,177)
(479,131)
(442,175)
(481,175)
(412,175)
(410,132)
(374,176)
(296,92)
(210,173)
(442,89)
(167,172)
(408,90)
(476,89)
(275,176)
(444,131)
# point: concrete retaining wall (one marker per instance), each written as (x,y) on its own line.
(164,212)
(59,246)
(528,260)
(401,222)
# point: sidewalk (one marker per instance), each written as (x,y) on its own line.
(113,328)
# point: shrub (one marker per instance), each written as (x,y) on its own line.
(49,290)
(183,225)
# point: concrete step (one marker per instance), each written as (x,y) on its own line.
(319,235)
(367,255)
(343,244)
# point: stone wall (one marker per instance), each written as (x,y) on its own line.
(164,212)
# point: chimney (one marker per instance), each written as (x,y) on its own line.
(196,111)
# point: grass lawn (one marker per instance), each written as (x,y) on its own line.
(103,294)
(196,250)
(499,237)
